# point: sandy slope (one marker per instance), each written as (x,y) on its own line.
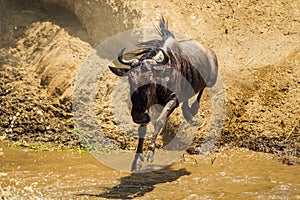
(257,43)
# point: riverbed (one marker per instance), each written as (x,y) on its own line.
(227,174)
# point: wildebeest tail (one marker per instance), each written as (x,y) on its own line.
(163,29)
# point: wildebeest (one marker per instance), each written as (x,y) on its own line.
(166,72)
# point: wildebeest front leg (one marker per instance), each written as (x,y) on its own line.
(138,158)
(159,124)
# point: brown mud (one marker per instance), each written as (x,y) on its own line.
(231,174)
(43,43)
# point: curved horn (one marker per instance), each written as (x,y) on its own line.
(166,58)
(123,61)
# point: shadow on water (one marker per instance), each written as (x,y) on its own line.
(138,184)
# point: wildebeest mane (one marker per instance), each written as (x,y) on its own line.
(163,31)
(150,47)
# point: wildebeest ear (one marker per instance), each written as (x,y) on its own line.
(118,71)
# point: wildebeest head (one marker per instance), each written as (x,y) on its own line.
(141,77)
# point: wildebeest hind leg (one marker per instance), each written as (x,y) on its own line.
(189,112)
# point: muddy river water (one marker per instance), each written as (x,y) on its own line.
(229,174)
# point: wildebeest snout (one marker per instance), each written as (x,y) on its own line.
(140,118)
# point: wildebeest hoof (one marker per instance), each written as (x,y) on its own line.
(194,108)
(194,122)
(150,156)
(137,163)
(187,115)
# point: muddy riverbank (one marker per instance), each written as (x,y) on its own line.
(44,43)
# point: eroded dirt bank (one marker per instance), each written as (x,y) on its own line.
(43,43)
(42,46)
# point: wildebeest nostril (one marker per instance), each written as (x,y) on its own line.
(141,118)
